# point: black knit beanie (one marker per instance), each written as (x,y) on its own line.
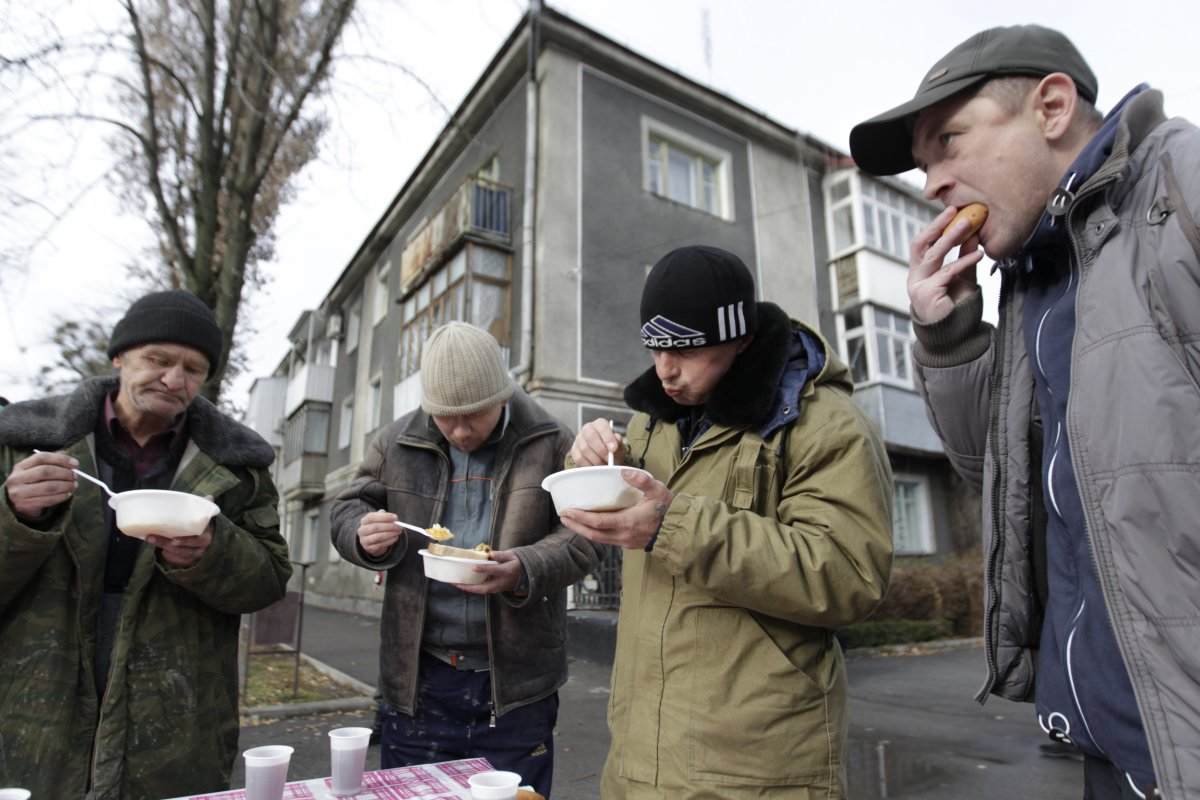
(175,316)
(697,296)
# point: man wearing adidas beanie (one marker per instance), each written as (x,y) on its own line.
(118,655)
(766,527)
(473,670)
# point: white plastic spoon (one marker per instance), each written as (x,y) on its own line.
(96,481)
(421,531)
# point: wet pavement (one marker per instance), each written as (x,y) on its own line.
(915,729)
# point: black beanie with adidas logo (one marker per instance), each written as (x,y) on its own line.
(697,296)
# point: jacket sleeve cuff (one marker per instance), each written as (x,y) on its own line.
(958,338)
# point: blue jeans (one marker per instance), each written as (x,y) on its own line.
(453,721)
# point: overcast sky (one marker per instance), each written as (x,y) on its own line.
(813,65)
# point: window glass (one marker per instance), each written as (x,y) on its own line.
(488,308)
(843,228)
(911,531)
(679,177)
(346,423)
(839,190)
(856,358)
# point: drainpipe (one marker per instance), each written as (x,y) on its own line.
(527,213)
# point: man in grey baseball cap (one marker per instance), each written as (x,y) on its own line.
(1090,494)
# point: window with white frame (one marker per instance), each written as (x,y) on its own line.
(912,529)
(353,326)
(383,299)
(473,287)
(374,402)
(685,169)
(346,423)
(867,213)
(877,345)
(312,532)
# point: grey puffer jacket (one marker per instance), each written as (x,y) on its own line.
(407,472)
(1132,422)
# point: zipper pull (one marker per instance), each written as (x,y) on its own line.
(492,712)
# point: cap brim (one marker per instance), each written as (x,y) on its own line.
(883,145)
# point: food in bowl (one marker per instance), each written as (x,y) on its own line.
(452,569)
(142,512)
(592,488)
(480,551)
(438,533)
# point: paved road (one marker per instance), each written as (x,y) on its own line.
(915,731)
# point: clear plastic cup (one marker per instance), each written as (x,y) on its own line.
(347,755)
(496,785)
(266,771)
(14,793)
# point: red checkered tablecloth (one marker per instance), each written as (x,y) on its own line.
(445,781)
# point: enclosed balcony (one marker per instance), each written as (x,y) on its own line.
(478,208)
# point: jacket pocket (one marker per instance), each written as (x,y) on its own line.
(756,717)
(750,484)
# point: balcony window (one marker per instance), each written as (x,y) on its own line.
(473,286)
(685,169)
(877,345)
(911,529)
(867,213)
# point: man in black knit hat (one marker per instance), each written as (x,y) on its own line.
(766,527)
(118,655)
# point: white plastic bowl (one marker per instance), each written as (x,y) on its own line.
(172,514)
(449,569)
(497,785)
(592,489)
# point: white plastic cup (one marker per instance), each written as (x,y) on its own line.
(266,771)
(14,794)
(347,756)
(497,785)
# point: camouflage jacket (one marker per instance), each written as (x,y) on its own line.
(167,724)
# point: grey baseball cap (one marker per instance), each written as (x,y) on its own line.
(883,145)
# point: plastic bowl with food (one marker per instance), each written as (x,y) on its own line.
(592,489)
(452,569)
(165,513)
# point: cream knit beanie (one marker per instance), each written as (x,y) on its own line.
(463,371)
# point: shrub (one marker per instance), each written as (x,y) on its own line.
(926,600)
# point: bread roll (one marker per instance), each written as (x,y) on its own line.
(973,213)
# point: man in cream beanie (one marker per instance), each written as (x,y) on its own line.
(468,670)
(463,372)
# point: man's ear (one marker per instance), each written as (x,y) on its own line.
(1056,101)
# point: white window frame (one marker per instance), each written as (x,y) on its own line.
(921,541)
(699,151)
(312,531)
(879,216)
(375,402)
(383,297)
(870,332)
(346,423)
(353,326)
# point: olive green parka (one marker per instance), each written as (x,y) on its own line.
(728,681)
(168,722)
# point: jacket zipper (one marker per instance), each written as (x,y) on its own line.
(487,607)
(991,569)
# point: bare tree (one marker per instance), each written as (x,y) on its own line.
(213,119)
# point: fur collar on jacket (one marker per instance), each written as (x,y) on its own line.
(53,423)
(747,393)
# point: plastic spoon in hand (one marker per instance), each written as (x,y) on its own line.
(610,453)
(84,475)
(421,531)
